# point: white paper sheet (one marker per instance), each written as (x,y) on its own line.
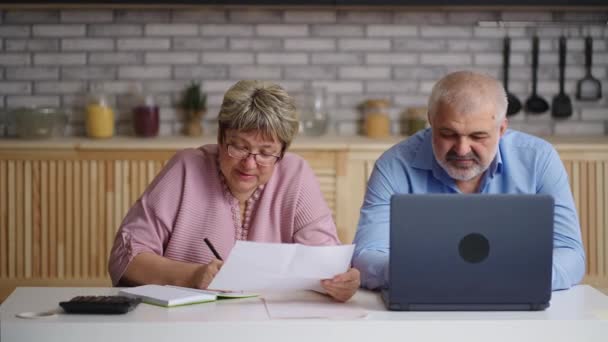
(310,305)
(255,266)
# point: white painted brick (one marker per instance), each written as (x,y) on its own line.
(217,86)
(446,31)
(252,16)
(419,72)
(471,18)
(199,43)
(340,87)
(61,31)
(535,128)
(32,73)
(226,30)
(119,30)
(579,128)
(526,16)
(419,45)
(87,44)
(315,72)
(88,73)
(348,128)
(8,59)
(392,31)
(282,58)
(525,44)
(336,58)
(366,73)
(115,58)
(445,59)
(282,30)
(142,16)
(310,44)
(405,100)
(305,16)
(291,86)
(496,59)
(31,16)
(426,87)
(498,32)
(171,29)
(374,45)
(66,87)
(262,44)
(13,101)
(138,72)
(60,58)
(143,44)
(586,16)
(554,32)
(14,31)
(537,118)
(391,58)
(255,72)
(593,114)
(600,58)
(117,87)
(421,17)
(199,72)
(47,45)
(338,30)
(364,17)
(227,58)
(171,58)
(14,88)
(164,86)
(86,16)
(403,87)
(209,16)
(481,45)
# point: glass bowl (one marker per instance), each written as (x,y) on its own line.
(39,122)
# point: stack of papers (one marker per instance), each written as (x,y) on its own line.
(169,296)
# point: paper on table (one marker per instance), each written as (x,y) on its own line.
(309,305)
(254,266)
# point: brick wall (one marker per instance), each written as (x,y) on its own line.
(52,57)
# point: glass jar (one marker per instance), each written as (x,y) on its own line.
(313,111)
(99,116)
(145,116)
(413,120)
(377,122)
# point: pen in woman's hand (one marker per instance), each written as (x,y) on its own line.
(215,253)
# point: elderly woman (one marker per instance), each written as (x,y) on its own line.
(244,188)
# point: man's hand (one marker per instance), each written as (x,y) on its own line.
(204,274)
(343,286)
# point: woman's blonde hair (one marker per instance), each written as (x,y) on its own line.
(266,107)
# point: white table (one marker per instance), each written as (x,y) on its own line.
(579,314)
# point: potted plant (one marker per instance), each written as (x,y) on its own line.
(194,105)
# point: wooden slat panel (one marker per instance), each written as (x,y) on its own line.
(83,243)
(44,218)
(12,231)
(152,172)
(27,218)
(599,215)
(91,240)
(117,193)
(101,219)
(591,208)
(584,204)
(126,200)
(69,219)
(3,219)
(109,197)
(77,168)
(52,218)
(142,178)
(605,211)
(36,217)
(61,245)
(19,217)
(133,181)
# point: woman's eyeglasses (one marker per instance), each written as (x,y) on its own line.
(240,153)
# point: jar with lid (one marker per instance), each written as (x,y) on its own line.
(377,123)
(99,115)
(145,114)
(413,120)
(313,111)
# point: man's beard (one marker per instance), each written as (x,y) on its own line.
(462,173)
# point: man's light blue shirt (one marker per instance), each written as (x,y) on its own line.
(524,164)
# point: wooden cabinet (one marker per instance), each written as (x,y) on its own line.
(61,202)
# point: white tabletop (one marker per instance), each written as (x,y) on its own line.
(578,314)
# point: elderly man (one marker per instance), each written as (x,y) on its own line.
(468,149)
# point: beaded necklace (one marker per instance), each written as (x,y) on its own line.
(241,227)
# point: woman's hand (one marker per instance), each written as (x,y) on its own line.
(204,274)
(343,286)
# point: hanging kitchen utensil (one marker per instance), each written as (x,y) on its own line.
(535,104)
(562,105)
(588,88)
(514,105)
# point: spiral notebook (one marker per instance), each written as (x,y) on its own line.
(169,296)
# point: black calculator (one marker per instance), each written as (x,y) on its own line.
(100,304)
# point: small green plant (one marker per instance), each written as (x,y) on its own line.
(193,101)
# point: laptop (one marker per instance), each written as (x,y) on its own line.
(467,252)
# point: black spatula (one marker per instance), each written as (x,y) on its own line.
(535,104)
(588,88)
(514,105)
(562,105)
